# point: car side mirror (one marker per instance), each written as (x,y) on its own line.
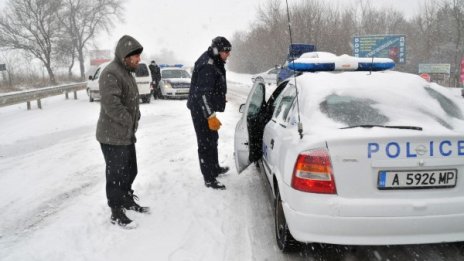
(242,108)
(90,77)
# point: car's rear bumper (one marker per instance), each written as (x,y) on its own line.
(95,94)
(374,230)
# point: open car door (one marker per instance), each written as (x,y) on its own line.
(248,143)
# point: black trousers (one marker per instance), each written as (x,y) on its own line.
(121,170)
(207,141)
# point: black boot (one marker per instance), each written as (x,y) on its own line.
(223,170)
(214,184)
(129,203)
(119,217)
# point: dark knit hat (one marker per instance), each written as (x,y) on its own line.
(222,44)
(136,51)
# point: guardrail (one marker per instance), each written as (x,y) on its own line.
(38,94)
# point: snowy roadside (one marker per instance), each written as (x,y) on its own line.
(53,204)
(53,201)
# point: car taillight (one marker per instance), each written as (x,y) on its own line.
(313,172)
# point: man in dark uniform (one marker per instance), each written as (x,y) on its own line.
(155,77)
(116,127)
(207,96)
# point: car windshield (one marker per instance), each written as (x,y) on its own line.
(142,70)
(174,74)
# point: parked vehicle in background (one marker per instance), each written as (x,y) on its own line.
(175,81)
(294,52)
(358,156)
(93,89)
(144,82)
(268,77)
(142,77)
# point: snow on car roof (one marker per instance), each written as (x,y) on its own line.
(402,98)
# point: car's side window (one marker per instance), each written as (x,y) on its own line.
(97,74)
(142,70)
(257,100)
(284,103)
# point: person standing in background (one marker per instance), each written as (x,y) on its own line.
(156,78)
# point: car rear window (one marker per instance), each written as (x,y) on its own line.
(352,110)
(142,71)
(446,104)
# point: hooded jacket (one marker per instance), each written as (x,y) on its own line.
(208,86)
(119,106)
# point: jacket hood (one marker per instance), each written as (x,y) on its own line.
(127,45)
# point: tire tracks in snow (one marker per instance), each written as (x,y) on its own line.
(24,227)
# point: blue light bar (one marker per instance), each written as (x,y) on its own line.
(341,63)
(164,65)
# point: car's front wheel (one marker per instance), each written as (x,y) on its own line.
(285,240)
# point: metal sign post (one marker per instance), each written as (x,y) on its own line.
(462,71)
(439,72)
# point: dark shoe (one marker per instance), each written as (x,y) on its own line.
(214,184)
(130,204)
(223,170)
(118,216)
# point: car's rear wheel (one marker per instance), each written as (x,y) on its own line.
(285,240)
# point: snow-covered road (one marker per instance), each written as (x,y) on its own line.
(53,205)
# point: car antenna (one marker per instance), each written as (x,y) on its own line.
(300,124)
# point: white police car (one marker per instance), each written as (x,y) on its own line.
(175,81)
(353,155)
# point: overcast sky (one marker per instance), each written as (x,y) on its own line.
(187,27)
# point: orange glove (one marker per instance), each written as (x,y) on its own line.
(213,123)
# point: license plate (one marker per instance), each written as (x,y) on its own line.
(413,179)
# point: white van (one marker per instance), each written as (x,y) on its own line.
(144,82)
(142,77)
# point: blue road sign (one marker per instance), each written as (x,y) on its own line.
(383,46)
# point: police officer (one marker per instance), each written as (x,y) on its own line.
(207,96)
(155,77)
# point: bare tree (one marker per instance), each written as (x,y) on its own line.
(457,14)
(33,26)
(84,18)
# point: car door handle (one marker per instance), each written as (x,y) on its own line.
(272,144)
